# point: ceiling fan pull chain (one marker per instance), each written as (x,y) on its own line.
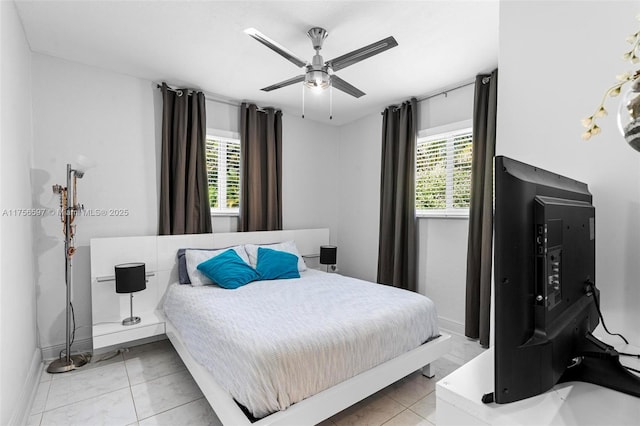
(330,102)
(302,100)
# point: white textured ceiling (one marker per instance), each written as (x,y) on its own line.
(201,44)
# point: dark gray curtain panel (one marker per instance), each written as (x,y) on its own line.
(479,249)
(397,245)
(184,194)
(261,158)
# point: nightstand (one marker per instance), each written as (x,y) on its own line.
(109,308)
(114,333)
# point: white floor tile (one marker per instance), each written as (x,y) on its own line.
(373,411)
(34,419)
(45,377)
(152,364)
(196,413)
(464,348)
(162,394)
(444,366)
(113,409)
(41,397)
(67,389)
(407,418)
(426,407)
(411,389)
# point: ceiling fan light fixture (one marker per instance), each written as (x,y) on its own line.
(317,79)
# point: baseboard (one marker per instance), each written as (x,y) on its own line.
(22,410)
(79,346)
(86,346)
(451,326)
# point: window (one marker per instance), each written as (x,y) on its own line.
(443,173)
(223,174)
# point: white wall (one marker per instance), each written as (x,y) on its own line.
(556,60)
(18,336)
(109,118)
(450,107)
(115,120)
(442,243)
(358,171)
(309,181)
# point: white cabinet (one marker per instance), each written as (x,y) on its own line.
(458,401)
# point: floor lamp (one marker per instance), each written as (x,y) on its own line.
(68,211)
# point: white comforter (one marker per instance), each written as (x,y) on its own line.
(273,343)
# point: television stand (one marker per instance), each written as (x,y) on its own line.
(458,400)
(599,363)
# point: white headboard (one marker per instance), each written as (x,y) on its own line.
(159,255)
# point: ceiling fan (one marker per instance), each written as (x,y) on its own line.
(319,74)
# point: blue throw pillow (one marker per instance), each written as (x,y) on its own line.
(228,270)
(275,264)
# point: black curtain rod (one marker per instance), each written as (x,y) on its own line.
(485,80)
(445,92)
(208,97)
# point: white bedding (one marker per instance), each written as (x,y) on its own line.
(273,343)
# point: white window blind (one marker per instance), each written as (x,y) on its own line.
(223,174)
(443,173)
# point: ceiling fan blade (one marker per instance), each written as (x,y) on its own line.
(363,53)
(275,46)
(347,88)
(289,82)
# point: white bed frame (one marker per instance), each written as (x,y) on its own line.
(159,253)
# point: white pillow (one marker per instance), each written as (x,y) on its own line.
(195,257)
(287,246)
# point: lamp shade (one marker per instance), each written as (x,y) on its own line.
(130,277)
(328,255)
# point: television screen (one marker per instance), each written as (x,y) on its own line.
(545,290)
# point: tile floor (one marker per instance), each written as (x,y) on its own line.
(149,385)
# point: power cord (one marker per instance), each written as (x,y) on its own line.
(112,355)
(73,331)
(591,289)
(87,357)
(63,352)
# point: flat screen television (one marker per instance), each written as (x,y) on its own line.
(546,300)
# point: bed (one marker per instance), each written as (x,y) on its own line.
(292,351)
